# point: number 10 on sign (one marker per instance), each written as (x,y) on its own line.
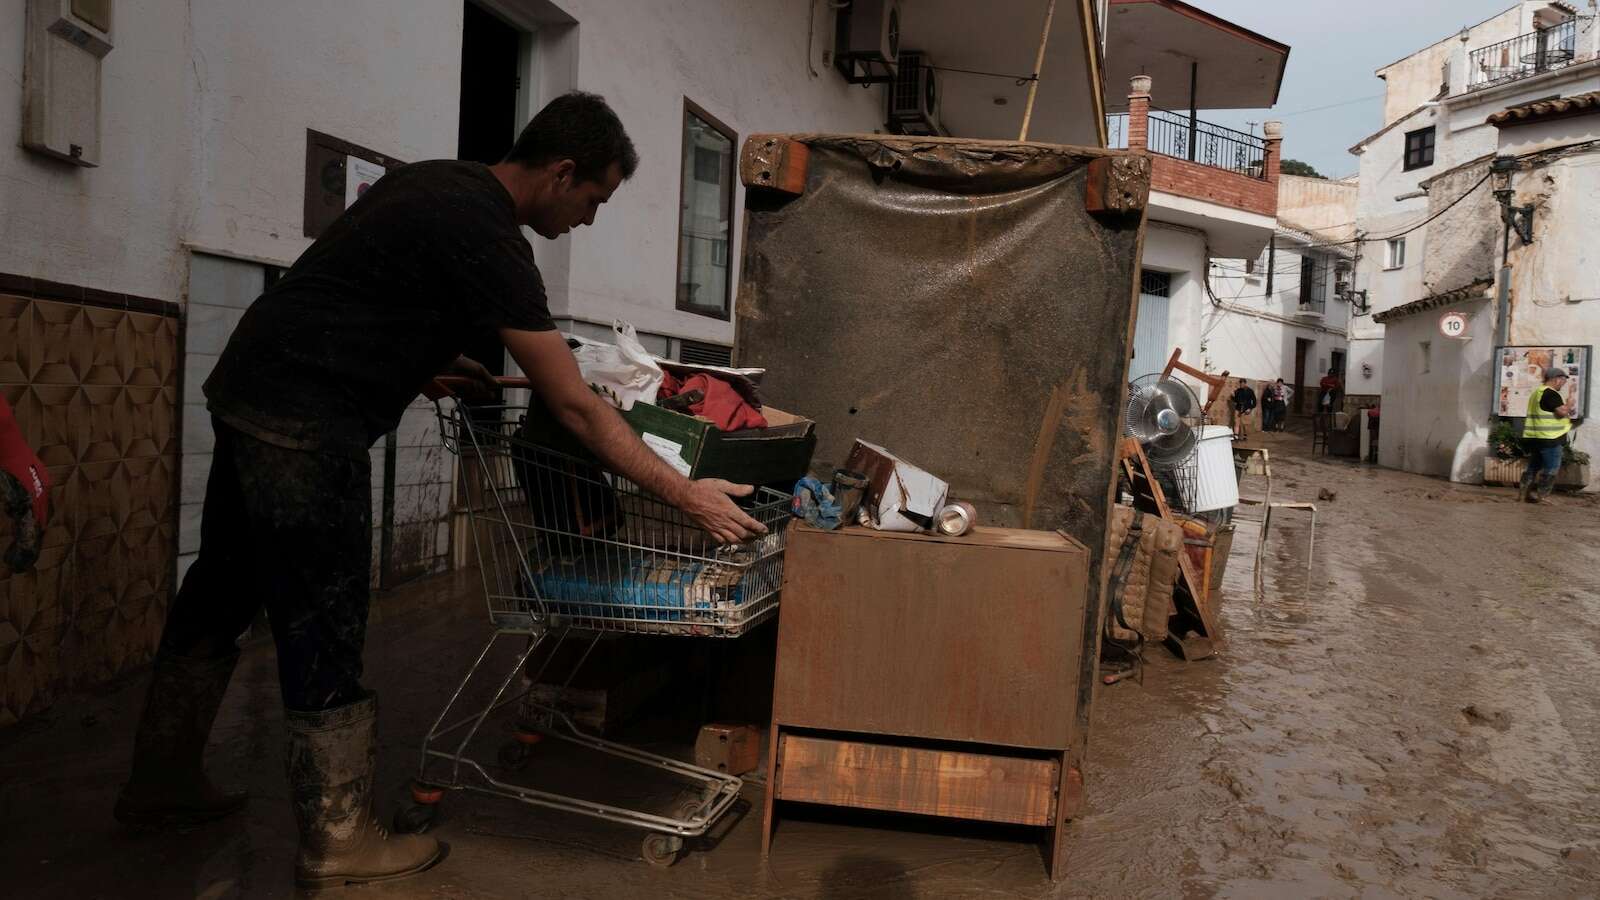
(1453,325)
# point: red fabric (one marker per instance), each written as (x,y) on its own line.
(17,458)
(722,404)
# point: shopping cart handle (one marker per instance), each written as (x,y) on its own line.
(449,385)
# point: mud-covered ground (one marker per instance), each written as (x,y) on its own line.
(1419,718)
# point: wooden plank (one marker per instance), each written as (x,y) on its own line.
(775,162)
(928,638)
(864,775)
(774,742)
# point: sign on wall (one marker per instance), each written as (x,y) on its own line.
(1520,369)
(1453,324)
(337,171)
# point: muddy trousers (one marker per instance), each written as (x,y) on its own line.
(1544,463)
(290,531)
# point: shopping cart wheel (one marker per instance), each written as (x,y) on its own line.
(661,850)
(415,819)
(514,755)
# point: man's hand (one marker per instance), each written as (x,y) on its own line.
(555,378)
(483,383)
(707,502)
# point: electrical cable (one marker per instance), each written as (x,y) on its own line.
(1389,237)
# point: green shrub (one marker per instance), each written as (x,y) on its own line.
(1505,441)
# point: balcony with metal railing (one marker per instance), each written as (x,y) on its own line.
(1203,175)
(1531,54)
(1183,137)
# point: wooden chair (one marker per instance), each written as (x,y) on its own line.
(1320,423)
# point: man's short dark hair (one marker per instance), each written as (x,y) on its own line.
(580,127)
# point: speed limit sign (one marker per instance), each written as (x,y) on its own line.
(1453,325)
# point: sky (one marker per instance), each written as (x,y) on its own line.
(1335,47)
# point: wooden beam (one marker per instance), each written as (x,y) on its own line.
(774,162)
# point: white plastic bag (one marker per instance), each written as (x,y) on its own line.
(624,372)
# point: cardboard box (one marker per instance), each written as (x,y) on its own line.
(776,455)
(901,497)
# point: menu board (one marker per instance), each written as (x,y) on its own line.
(1520,370)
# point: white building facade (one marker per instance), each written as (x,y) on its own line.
(1435,107)
(1286,312)
(1433,240)
(1214,191)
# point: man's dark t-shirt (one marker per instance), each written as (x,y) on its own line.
(429,258)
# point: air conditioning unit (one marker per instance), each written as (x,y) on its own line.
(914,96)
(867,41)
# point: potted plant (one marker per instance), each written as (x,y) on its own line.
(1506,460)
(1574,469)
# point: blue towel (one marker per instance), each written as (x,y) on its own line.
(814,503)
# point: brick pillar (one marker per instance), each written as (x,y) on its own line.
(1273,158)
(1274,134)
(1138,112)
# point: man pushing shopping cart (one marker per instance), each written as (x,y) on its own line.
(322,365)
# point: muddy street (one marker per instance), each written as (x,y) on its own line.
(1420,719)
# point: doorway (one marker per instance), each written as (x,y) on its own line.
(1150,348)
(1302,350)
(491,53)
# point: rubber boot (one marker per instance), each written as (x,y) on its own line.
(1545,486)
(332,763)
(1523,488)
(168,787)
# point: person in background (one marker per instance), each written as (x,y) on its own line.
(1275,405)
(1330,390)
(1544,434)
(1244,401)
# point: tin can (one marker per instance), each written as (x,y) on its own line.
(956,519)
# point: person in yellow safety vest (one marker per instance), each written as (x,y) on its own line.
(1544,433)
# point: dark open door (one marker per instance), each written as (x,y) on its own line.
(1302,348)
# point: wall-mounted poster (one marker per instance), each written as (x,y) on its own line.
(1519,370)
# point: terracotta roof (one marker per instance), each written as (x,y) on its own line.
(1540,110)
(1474,291)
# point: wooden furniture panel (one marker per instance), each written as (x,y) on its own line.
(917,780)
(972,639)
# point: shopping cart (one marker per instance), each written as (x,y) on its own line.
(570,552)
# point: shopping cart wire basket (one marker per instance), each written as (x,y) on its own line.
(568,551)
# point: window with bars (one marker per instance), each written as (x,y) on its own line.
(1156,284)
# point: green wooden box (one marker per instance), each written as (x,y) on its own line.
(776,455)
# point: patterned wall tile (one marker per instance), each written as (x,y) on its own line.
(95,391)
(56,343)
(13,331)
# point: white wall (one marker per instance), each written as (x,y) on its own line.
(1555,284)
(265,72)
(1436,421)
(1253,335)
(742,62)
(115,227)
(1181,253)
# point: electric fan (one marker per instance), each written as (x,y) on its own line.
(1164,416)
